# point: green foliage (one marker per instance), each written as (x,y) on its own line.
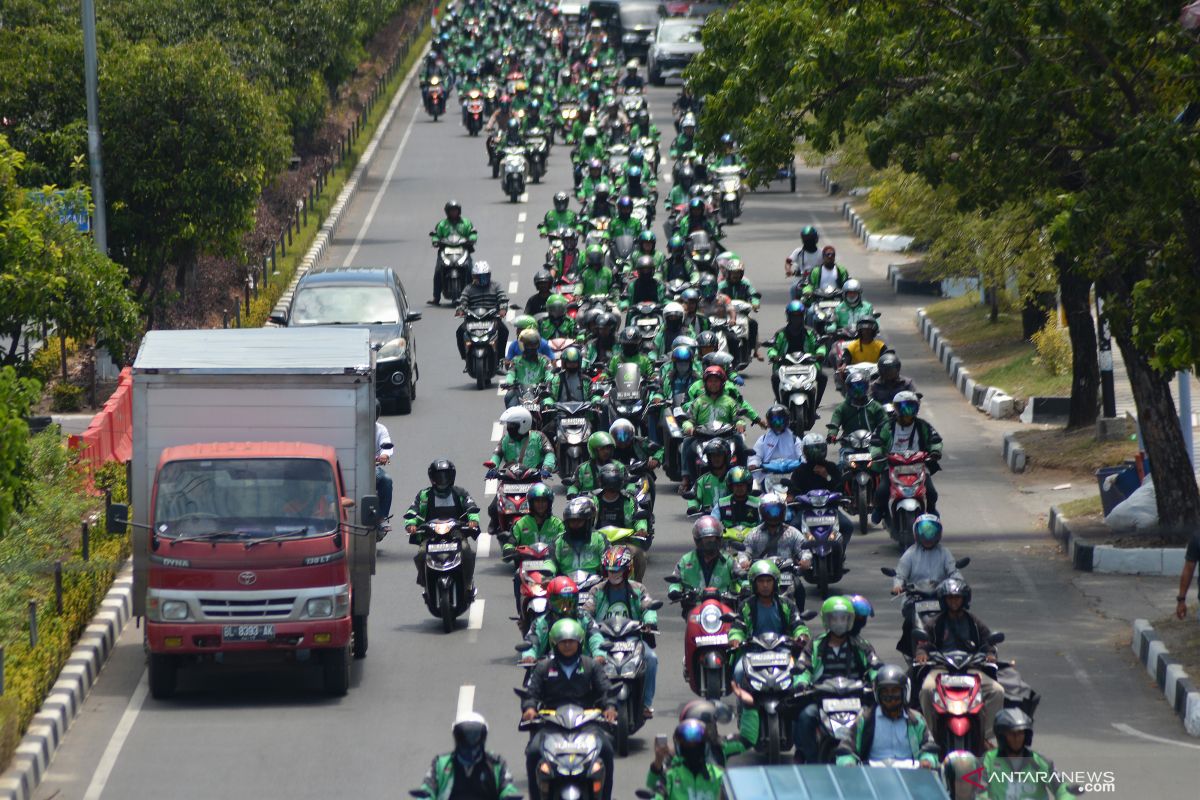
(17,396)
(66,398)
(1053,346)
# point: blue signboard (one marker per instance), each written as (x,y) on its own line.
(74,211)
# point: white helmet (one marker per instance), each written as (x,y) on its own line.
(520,416)
(673,308)
(481,268)
(852,286)
(688,121)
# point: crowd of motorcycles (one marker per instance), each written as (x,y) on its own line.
(626,367)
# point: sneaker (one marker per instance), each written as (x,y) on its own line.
(876,517)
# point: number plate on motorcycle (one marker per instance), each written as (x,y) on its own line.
(858,458)
(957,681)
(712,639)
(622,647)
(575,421)
(768,659)
(479,326)
(822,521)
(836,704)
(247,633)
(536,566)
(441,547)
(928,606)
(516,488)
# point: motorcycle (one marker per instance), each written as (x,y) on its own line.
(673,417)
(958,697)
(483,327)
(572,427)
(447,595)
(920,604)
(728,180)
(492,143)
(648,319)
(643,211)
(535,570)
(715,429)
(818,521)
(906,500)
(622,253)
(706,653)
(797,391)
(629,398)
(772,477)
(435,98)
(537,147)
(859,480)
(491,93)
(473,112)
(512,491)
(822,305)
(454,263)
(624,661)
(650,151)
(703,253)
(739,331)
(516,170)
(841,703)
(570,766)
(770,668)
(842,374)
(568,112)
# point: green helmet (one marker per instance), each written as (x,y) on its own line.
(764,567)
(597,440)
(594,255)
(540,491)
(556,305)
(572,355)
(843,608)
(524,322)
(737,475)
(566,630)
(648,236)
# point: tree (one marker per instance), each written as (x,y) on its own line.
(189,146)
(17,396)
(50,274)
(1068,106)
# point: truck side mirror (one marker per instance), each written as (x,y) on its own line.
(369,510)
(116,518)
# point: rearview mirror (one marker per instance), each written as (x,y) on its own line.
(807,615)
(368,510)
(995,639)
(655,606)
(116,518)
(891,573)
(522,647)
(962,562)
(412,316)
(279,318)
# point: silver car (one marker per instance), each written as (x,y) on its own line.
(676,42)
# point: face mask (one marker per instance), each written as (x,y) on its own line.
(514,430)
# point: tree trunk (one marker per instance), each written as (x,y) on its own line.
(1085,365)
(1175,490)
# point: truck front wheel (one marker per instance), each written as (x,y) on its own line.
(359,622)
(164,670)
(336,668)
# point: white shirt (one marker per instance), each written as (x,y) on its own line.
(829,276)
(773,446)
(903,438)
(383,440)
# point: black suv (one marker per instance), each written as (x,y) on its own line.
(366,297)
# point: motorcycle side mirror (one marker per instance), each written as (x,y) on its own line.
(568,481)
(605,645)
(521,692)
(368,512)
(731,618)
(515,306)
(891,573)
(962,562)
(920,635)
(418,793)
(644,793)
(996,638)
(807,615)
(490,464)
(522,647)
(641,514)
(876,314)
(655,606)
(504,537)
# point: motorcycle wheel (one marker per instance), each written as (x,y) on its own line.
(728,209)
(359,625)
(774,740)
(821,575)
(495,169)
(714,680)
(513,196)
(623,726)
(567,466)
(904,532)
(447,608)
(864,510)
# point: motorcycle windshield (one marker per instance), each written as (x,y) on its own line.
(623,246)
(628,382)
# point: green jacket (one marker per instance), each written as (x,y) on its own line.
(418,512)
(529,371)
(927,439)
(849,417)
(858,750)
(587,478)
(551,328)
(586,152)
(812,345)
(439,780)
(864,653)
(847,317)
(533,452)
(742,290)
(556,220)
(723,408)
(628,509)
(731,388)
(676,197)
(598,604)
(619,227)
(587,187)
(814,277)
(709,488)
(680,783)
(692,576)
(539,634)
(569,559)
(996,764)
(527,531)
(645,365)
(464,228)
(627,297)
(793,625)
(594,281)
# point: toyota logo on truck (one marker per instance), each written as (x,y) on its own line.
(247,578)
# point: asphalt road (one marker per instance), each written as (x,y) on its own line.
(275,735)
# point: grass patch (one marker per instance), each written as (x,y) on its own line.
(1073,450)
(874,221)
(261,306)
(1182,639)
(995,352)
(1083,507)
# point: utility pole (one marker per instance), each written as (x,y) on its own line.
(1108,390)
(100,227)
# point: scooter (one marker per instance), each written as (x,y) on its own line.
(535,570)
(473,112)
(797,392)
(512,492)
(435,98)
(454,263)
(447,595)
(907,500)
(958,697)
(859,480)
(570,766)
(537,146)
(624,661)
(920,607)
(770,667)
(647,318)
(728,180)
(629,398)
(841,702)
(515,167)
(772,477)
(483,328)
(741,347)
(818,521)
(572,427)
(706,653)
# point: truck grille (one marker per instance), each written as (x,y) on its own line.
(259,608)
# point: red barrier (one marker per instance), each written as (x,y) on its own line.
(109,437)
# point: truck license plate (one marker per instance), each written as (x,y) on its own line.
(247,633)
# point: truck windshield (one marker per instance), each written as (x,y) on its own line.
(246,498)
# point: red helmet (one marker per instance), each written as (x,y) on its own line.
(564,594)
(714,370)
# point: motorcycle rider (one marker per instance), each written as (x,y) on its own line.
(482,293)
(829,273)
(766,612)
(1013,755)
(736,287)
(818,472)
(835,653)
(853,307)
(602,346)
(713,303)
(596,278)
(591,181)
(442,499)
(802,260)
(631,353)
(521,324)
(621,596)
(711,485)
(714,405)
(632,80)
(926,561)
(890,382)
(569,385)
(647,242)
(539,525)
(868,347)
(601,448)
(690,775)
(858,412)
(891,730)
(625,224)
(739,508)
(519,445)
(567,677)
(678,374)
(906,432)
(774,538)
(529,369)
(565,262)
(956,628)
(692,318)
(601,203)
(563,602)
(795,337)
(543,282)
(561,216)
(644,288)
(383,481)
(469,770)
(686,140)
(557,325)
(681,191)
(672,328)
(581,546)
(677,265)
(697,219)
(778,443)
(454,224)
(636,187)
(707,564)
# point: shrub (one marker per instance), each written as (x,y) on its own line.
(66,397)
(1053,345)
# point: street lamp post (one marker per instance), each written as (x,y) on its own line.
(100,228)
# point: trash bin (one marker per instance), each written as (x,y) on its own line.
(1116,484)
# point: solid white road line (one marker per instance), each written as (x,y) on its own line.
(516,262)
(466,701)
(522,217)
(475,615)
(496,431)
(512,287)
(489,486)
(520,239)
(379,195)
(485,546)
(525,197)
(1123,728)
(108,759)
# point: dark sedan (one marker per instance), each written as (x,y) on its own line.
(366,297)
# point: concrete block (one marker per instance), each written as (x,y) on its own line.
(1191,713)
(953,365)
(1043,410)
(935,336)
(889,243)
(1174,672)
(1113,428)
(991,392)
(1017,464)
(968,386)
(978,394)
(1128,561)
(1156,647)
(1172,560)
(1000,406)
(964,375)
(1140,628)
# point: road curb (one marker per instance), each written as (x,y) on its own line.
(65,701)
(887,243)
(1178,689)
(1161,561)
(333,222)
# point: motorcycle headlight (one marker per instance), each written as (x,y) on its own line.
(174,610)
(396,348)
(908,491)
(710,619)
(756,684)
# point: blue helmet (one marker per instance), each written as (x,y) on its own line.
(682,353)
(795,307)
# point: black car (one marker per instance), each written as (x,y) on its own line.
(367,297)
(676,42)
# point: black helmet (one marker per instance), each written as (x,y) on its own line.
(715,447)
(610,476)
(867,323)
(704,710)
(706,339)
(777,418)
(442,473)
(952,586)
(890,362)
(606,319)
(561,201)
(644,265)
(809,238)
(1012,719)
(470,737)
(630,335)
(708,286)
(892,675)
(624,204)
(452,205)
(543,278)
(687,176)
